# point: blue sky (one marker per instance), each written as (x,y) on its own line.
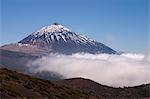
(120,24)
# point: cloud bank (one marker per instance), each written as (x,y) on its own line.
(113,70)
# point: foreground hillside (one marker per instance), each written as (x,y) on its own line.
(17,85)
(89,86)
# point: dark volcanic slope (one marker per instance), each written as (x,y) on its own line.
(15,60)
(18,61)
(86,85)
(17,85)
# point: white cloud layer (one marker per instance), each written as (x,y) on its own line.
(113,70)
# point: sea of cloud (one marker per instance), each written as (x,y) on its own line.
(127,69)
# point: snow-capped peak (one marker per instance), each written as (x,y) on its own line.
(57,32)
(59,39)
(54,28)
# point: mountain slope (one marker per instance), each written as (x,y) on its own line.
(15,60)
(19,61)
(16,85)
(58,39)
(89,86)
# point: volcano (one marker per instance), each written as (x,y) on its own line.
(56,38)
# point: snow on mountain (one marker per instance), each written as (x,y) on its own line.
(56,32)
(54,28)
(57,38)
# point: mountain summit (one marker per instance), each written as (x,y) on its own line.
(54,28)
(56,38)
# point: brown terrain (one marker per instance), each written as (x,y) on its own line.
(89,86)
(18,85)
